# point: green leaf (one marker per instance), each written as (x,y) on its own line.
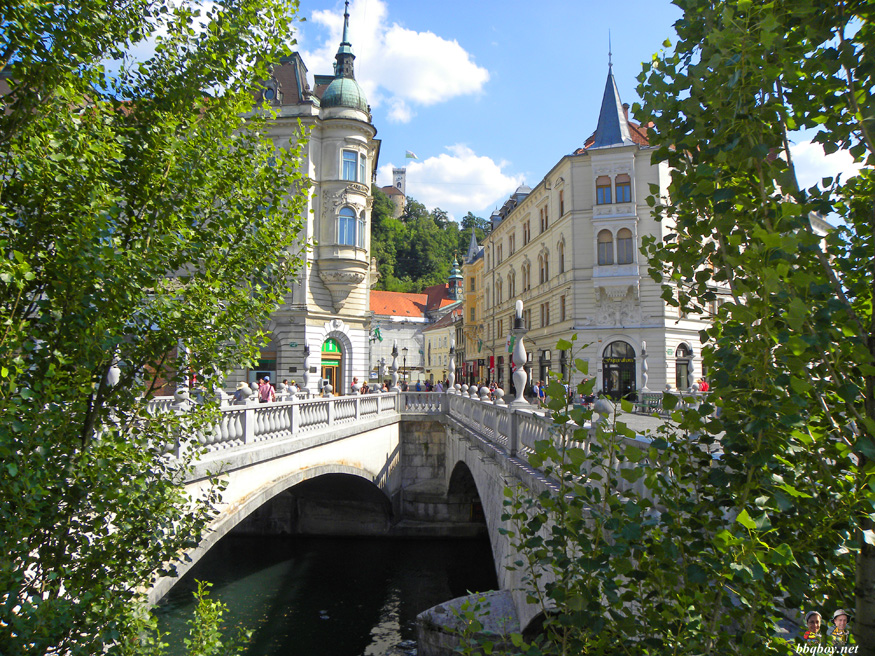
(745,520)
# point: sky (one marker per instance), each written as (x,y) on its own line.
(491,95)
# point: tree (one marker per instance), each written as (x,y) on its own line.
(792,355)
(144,237)
(757,502)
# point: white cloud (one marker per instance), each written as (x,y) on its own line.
(812,164)
(457,181)
(396,66)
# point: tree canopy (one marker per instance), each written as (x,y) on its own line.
(143,238)
(417,249)
(755,505)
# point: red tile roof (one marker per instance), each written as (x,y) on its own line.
(438,296)
(391,191)
(448,319)
(398,304)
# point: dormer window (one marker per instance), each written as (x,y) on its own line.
(603,190)
(624,188)
(354,166)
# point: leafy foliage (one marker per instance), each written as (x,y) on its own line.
(417,249)
(144,238)
(759,502)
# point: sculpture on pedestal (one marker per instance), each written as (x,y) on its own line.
(451,377)
(394,367)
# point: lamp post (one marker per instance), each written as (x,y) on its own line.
(404,363)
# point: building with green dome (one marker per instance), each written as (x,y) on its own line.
(330,302)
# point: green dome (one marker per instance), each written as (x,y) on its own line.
(345,92)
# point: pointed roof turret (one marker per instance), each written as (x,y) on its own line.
(613,126)
(344,58)
(473,247)
(344,91)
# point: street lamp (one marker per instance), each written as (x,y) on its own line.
(404,362)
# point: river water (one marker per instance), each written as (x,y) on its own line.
(309,596)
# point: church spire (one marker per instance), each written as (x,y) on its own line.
(343,59)
(613,126)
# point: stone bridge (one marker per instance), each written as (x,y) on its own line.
(430,457)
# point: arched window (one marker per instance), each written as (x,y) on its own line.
(603,190)
(624,246)
(499,292)
(526,276)
(561,255)
(606,247)
(346,224)
(511,284)
(683,358)
(543,269)
(361,230)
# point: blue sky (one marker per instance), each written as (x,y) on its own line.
(492,94)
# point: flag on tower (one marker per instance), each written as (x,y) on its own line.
(410,155)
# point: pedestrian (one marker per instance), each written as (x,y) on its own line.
(418,386)
(265,391)
(293,388)
(542,394)
(439,387)
(536,392)
(355,381)
(242,393)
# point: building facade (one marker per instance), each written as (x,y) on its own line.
(570,249)
(324,325)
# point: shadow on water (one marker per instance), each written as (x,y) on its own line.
(330,596)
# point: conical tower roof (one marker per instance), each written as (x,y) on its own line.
(613,126)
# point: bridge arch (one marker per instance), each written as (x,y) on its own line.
(232,514)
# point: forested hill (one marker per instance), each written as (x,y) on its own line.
(417,249)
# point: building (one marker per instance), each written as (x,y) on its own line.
(403,318)
(438,339)
(397,192)
(570,249)
(472,355)
(328,311)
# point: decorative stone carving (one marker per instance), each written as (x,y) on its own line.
(620,311)
(340,282)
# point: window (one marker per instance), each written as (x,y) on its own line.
(500,254)
(561,257)
(606,248)
(624,188)
(471,284)
(346,227)
(511,284)
(360,242)
(473,315)
(501,326)
(543,268)
(511,244)
(545,315)
(499,296)
(542,214)
(527,318)
(353,166)
(561,202)
(603,190)
(527,277)
(527,233)
(683,367)
(562,308)
(624,246)
(486,295)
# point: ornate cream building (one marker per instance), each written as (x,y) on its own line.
(329,308)
(570,249)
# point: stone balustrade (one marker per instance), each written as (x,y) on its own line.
(514,430)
